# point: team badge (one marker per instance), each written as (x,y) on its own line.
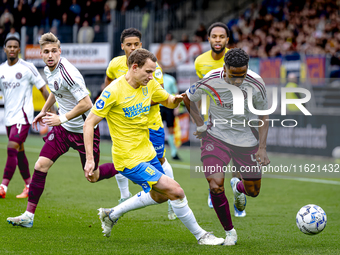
(145,91)
(51,137)
(158,74)
(18,76)
(106,94)
(209,147)
(100,104)
(56,86)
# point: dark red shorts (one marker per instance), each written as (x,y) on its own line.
(18,132)
(59,140)
(244,160)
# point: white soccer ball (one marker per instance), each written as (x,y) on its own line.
(311,219)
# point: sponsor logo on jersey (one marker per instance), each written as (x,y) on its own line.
(18,76)
(100,104)
(158,74)
(136,110)
(56,86)
(106,94)
(145,91)
(209,147)
(129,97)
(192,89)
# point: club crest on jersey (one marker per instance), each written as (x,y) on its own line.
(18,76)
(100,104)
(51,137)
(56,86)
(145,91)
(106,94)
(209,147)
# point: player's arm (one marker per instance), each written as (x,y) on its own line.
(46,94)
(261,154)
(154,103)
(47,106)
(83,105)
(172,101)
(91,121)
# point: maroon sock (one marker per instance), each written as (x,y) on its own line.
(36,189)
(106,171)
(240,187)
(11,165)
(221,207)
(23,167)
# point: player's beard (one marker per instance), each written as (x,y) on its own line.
(12,59)
(217,51)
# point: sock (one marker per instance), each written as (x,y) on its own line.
(140,200)
(173,148)
(23,167)
(106,171)
(240,188)
(123,185)
(5,187)
(221,207)
(11,165)
(36,189)
(31,215)
(168,169)
(184,213)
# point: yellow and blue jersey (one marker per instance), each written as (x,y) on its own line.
(126,110)
(118,67)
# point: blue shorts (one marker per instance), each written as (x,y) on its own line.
(157,139)
(145,174)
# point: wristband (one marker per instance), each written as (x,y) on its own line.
(202,129)
(63,118)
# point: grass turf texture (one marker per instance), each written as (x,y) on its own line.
(66,220)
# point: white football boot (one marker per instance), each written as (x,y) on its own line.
(107,222)
(240,199)
(209,239)
(23,221)
(231,237)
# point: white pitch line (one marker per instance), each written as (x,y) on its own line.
(185,166)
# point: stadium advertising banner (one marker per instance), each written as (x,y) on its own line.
(314,135)
(94,56)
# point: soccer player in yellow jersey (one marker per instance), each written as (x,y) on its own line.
(125,104)
(130,41)
(218,36)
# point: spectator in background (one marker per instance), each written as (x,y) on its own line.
(44,8)
(86,33)
(106,18)
(185,38)
(88,11)
(2,36)
(6,20)
(99,35)
(20,14)
(57,13)
(201,34)
(169,38)
(35,17)
(13,33)
(75,10)
(65,29)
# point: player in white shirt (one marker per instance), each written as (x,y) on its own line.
(16,83)
(228,135)
(68,89)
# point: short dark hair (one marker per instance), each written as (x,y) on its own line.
(130,32)
(219,24)
(236,58)
(12,38)
(140,56)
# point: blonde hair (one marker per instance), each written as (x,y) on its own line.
(48,38)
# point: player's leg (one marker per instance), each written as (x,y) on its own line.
(24,171)
(56,144)
(17,135)
(149,175)
(170,120)
(157,138)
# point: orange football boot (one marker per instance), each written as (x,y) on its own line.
(24,193)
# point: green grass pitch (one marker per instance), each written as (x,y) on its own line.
(66,220)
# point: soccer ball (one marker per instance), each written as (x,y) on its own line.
(311,219)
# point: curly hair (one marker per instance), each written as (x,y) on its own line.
(218,24)
(236,58)
(130,32)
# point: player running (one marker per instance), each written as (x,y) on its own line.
(16,83)
(125,104)
(68,89)
(130,41)
(222,141)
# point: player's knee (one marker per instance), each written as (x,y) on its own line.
(177,193)
(253,192)
(216,187)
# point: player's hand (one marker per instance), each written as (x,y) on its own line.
(177,99)
(52,119)
(39,119)
(262,157)
(200,135)
(88,169)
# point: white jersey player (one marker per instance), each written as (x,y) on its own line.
(229,136)
(17,78)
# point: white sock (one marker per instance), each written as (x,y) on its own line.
(27,186)
(29,214)
(184,213)
(168,169)
(4,186)
(123,185)
(140,200)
